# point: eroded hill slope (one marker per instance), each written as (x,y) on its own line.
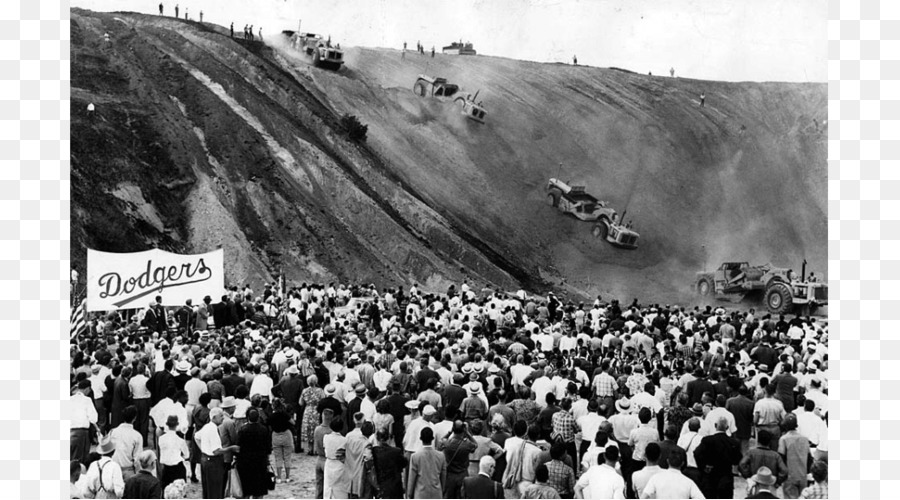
(203,141)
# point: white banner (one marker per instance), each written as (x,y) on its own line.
(133,280)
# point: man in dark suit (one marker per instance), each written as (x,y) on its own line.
(696,388)
(160,382)
(715,456)
(150,320)
(220,313)
(741,406)
(482,486)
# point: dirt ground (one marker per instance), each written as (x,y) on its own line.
(302,485)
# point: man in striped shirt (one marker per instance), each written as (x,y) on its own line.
(605,388)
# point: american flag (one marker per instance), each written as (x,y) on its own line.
(77,320)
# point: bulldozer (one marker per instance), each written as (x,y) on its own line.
(781,289)
(470,108)
(320,50)
(427,86)
(576,201)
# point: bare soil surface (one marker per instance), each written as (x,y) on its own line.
(201,141)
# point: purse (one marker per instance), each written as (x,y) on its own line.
(271,478)
(234,488)
(512,479)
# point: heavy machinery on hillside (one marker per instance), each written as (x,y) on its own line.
(427,86)
(318,49)
(470,108)
(459,49)
(576,201)
(781,289)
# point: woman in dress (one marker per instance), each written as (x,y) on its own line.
(282,439)
(309,399)
(253,459)
(336,482)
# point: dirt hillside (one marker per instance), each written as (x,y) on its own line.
(201,141)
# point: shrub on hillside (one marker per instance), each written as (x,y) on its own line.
(355,129)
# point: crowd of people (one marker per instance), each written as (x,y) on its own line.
(464,394)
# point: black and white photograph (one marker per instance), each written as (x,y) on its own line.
(418,249)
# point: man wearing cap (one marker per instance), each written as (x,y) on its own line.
(474,406)
(83,414)
(104,477)
(417,422)
(173,451)
(427,469)
(794,447)
(715,457)
(763,484)
(355,405)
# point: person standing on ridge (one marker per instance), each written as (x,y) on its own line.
(176,11)
(201,16)
(160,8)
(232,29)
(672,72)
(575,60)
(432,51)
(702,99)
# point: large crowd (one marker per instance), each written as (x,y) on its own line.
(466,393)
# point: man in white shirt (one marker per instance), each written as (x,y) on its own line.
(671,483)
(212,465)
(602,481)
(104,477)
(128,442)
(98,387)
(82,415)
(168,406)
(689,442)
(173,451)
(640,478)
(140,397)
(811,425)
(262,383)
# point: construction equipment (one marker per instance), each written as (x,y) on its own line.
(781,289)
(426,86)
(576,201)
(459,49)
(470,108)
(320,50)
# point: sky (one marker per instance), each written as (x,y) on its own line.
(728,40)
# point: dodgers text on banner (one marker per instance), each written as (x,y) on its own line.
(133,280)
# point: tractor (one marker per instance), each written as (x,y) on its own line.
(781,289)
(322,53)
(471,109)
(576,201)
(426,86)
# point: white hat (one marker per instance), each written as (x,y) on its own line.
(183,366)
(429,410)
